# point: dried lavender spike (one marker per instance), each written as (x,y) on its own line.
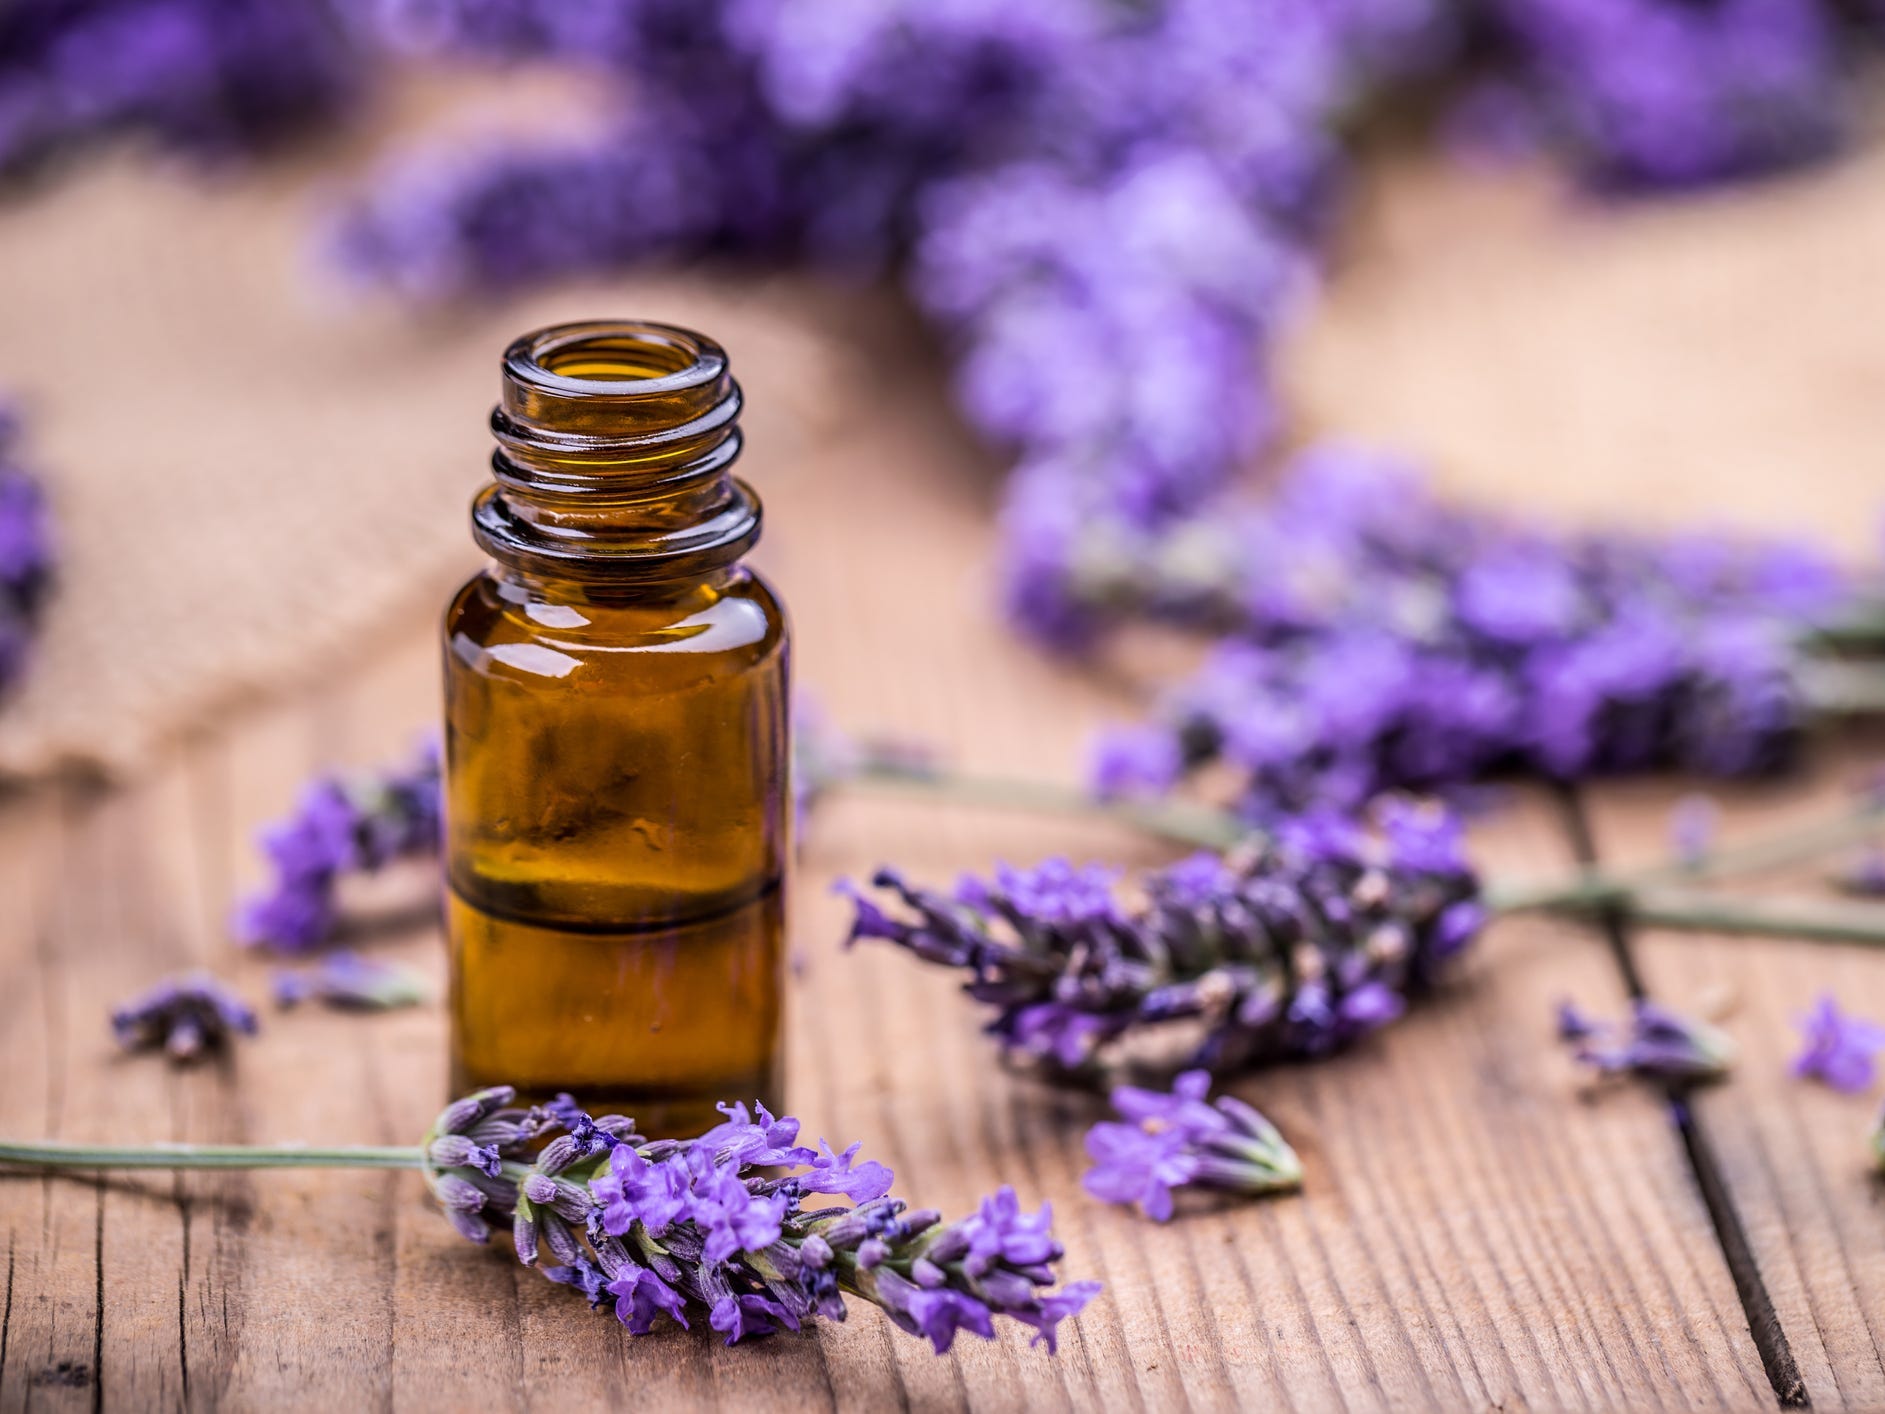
(696,1227)
(1287,949)
(186,1016)
(1655,1042)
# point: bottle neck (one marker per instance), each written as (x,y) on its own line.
(616,442)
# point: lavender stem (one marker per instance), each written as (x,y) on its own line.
(1195,825)
(1775,918)
(50,1154)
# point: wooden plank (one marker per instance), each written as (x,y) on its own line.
(1792,1151)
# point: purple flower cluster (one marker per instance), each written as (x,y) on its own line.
(1106,209)
(346,981)
(1655,1042)
(208,77)
(1648,93)
(1376,638)
(1179,1140)
(1289,947)
(25,550)
(187,1016)
(1838,1049)
(340,826)
(707,1226)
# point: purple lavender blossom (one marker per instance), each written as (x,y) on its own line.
(1378,639)
(205,77)
(1180,1139)
(340,826)
(188,1016)
(1288,948)
(1658,95)
(705,1226)
(1839,1049)
(345,980)
(1656,1042)
(25,549)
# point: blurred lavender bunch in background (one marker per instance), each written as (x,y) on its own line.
(207,77)
(25,549)
(1287,948)
(340,826)
(1108,209)
(1374,637)
(187,1016)
(346,981)
(710,1227)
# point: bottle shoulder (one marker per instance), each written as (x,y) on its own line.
(496,625)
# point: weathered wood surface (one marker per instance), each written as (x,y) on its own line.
(1473,1234)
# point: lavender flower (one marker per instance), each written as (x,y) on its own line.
(188,1016)
(1656,1042)
(707,1226)
(207,77)
(1178,1139)
(340,826)
(349,982)
(1287,948)
(25,550)
(1376,639)
(1838,1049)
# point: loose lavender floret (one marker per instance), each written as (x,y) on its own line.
(707,1227)
(1287,948)
(341,825)
(1377,638)
(1182,1139)
(1656,1042)
(188,1016)
(1837,1048)
(346,981)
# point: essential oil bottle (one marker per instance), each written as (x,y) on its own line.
(617,800)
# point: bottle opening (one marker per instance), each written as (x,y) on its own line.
(614,358)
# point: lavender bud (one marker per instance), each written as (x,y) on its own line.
(815,1252)
(470,1226)
(926,1273)
(872,1252)
(558,1238)
(455,1193)
(524,1237)
(457,1151)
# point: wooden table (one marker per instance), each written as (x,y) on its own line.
(1474,1232)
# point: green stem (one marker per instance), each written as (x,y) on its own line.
(48,1154)
(1767,852)
(1195,825)
(1771,918)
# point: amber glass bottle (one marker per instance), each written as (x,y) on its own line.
(617,802)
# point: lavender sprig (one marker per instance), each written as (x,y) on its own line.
(1655,1042)
(340,826)
(187,1016)
(1179,1140)
(706,1226)
(205,77)
(1376,638)
(1283,948)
